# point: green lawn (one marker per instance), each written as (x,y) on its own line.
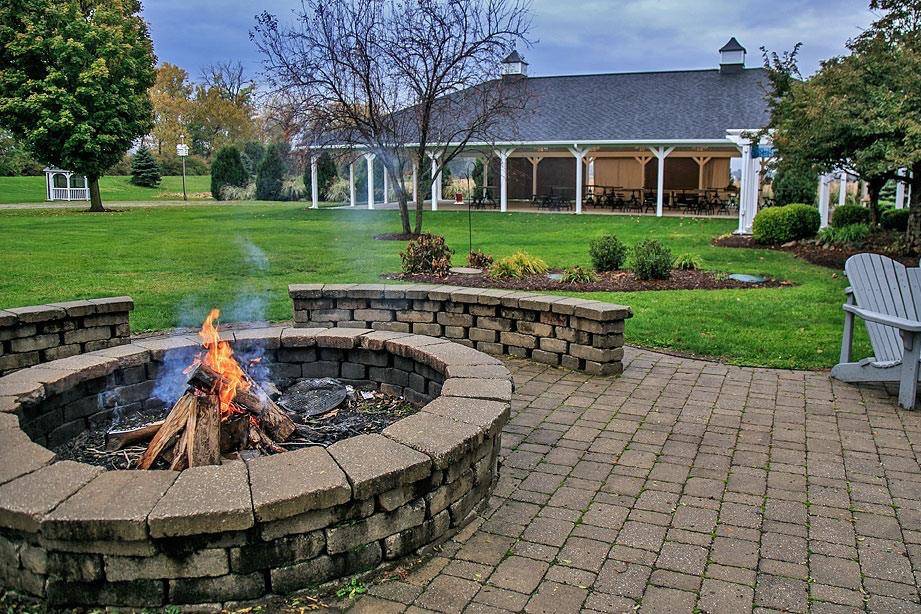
(177,262)
(113,188)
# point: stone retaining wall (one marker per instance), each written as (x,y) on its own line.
(39,333)
(77,535)
(570,332)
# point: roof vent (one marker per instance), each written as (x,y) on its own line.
(732,57)
(514,66)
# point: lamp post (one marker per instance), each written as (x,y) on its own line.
(182,150)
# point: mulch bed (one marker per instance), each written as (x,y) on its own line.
(395,236)
(356,415)
(615,281)
(832,256)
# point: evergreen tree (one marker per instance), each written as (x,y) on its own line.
(271,174)
(227,169)
(144,169)
(795,183)
(326,174)
(252,156)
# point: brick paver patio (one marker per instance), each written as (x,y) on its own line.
(684,486)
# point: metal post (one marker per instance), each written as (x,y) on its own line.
(185,196)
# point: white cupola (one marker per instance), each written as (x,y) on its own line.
(732,56)
(514,65)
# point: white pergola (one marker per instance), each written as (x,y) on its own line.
(67,191)
(584,155)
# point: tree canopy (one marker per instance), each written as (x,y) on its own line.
(74,81)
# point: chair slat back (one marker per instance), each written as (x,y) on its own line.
(883,285)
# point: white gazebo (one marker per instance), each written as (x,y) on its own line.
(63,185)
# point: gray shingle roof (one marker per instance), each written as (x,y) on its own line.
(732,45)
(514,56)
(690,104)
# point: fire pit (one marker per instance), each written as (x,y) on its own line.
(225,530)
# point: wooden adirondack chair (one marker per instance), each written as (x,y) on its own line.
(887,297)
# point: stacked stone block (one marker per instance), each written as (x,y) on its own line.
(573,333)
(76,535)
(40,333)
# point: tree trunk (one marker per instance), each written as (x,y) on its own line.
(874,185)
(404,213)
(95,196)
(913,232)
(420,198)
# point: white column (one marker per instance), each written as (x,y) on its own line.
(67,177)
(661,153)
(824,199)
(503,177)
(591,170)
(579,154)
(900,189)
(415,182)
(842,188)
(744,182)
(535,162)
(436,179)
(386,186)
(352,184)
(370,158)
(314,184)
(485,174)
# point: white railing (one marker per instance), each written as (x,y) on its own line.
(70,194)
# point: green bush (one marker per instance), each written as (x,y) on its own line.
(849,214)
(895,219)
(794,183)
(479,260)
(171,164)
(782,224)
(578,275)
(852,234)
(652,260)
(144,169)
(227,170)
(427,254)
(687,262)
(608,253)
(804,220)
(270,177)
(519,264)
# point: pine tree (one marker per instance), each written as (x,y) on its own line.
(144,169)
(271,174)
(227,170)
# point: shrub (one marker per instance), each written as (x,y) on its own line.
(144,169)
(427,254)
(227,170)
(519,264)
(578,275)
(849,214)
(338,190)
(270,176)
(844,235)
(782,224)
(479,260)
(771,226)
(687,262)
(895,219)
(804,220)
(232,192)
(651,260)
(608,253)
(171,164)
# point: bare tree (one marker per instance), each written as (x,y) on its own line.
(401,79)
(229,78)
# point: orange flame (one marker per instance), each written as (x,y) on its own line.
(219,357)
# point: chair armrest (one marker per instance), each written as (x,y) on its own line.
(849,291)
(912,326)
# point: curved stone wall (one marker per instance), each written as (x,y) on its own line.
(39,333)
(77,535)
(557,330)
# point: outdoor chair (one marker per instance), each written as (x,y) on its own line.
(886,295)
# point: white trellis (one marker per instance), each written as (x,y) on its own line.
(53,191)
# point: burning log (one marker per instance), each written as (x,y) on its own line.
(172,427)
(274,421)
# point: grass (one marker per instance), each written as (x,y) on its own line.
(177,262)
(114,188)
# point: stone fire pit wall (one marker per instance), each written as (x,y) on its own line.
(75,535)
(39,333)
(573,333)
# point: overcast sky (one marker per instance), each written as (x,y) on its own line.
(570,37)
